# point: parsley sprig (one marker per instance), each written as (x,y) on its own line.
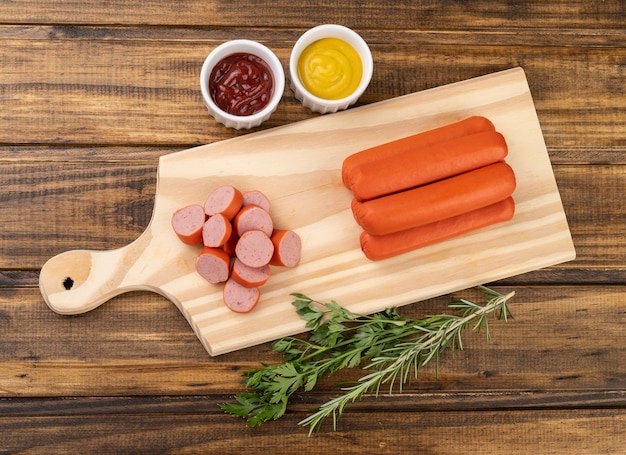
(390,348)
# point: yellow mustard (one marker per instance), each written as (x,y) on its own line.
(330,68)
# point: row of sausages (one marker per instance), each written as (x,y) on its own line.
(239,242)
(430,187)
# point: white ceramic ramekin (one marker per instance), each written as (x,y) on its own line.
(234,47)
(316,103)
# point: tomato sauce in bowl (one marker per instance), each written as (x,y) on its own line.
(241,84)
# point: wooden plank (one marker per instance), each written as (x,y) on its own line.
(139,344)
(406,14)
(416,402)
(126,80)
(470,432)
(597,212)
(566,273)
(507,34)
(43,202)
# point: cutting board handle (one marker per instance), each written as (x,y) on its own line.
(78,281)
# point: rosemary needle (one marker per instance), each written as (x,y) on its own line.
(391,349)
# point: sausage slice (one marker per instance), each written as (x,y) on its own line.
(254,249)
(213,265)
(216,230)
(250,277)
(226,200)
(256,197)
(231,243)
(287,248)
(239,298)
(187,223)
(253,218)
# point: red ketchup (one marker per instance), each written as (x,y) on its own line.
(241,84)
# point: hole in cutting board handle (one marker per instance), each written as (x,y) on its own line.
(78,281)
(68,283)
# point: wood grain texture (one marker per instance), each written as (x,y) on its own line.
(93,94)
(558,431)
(518,381)
(84,219)
(408,14)
(121,78)
(139,344)
(298,167)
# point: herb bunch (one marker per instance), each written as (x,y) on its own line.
(390,348)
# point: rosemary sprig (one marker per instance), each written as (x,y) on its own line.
(391,348)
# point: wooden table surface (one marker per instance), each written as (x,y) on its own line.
(93,93)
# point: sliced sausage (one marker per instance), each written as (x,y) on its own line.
(239,298)
(226,200)
(187,223)
(249,277)
(254,249)
(216,231)
(255,197)
(287,248)
(213,265)
(253,218)
(231,243)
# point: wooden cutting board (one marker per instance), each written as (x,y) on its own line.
(298,167)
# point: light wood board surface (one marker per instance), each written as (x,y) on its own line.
(298,167)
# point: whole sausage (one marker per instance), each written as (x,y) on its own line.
(462,128)
(253,218)
(377,247)
(287,248)
(254,248)
(416,167)
(216,230)
(187,223)
(213,264)
(238,298)
(249,277)
(436,201)
(226,200)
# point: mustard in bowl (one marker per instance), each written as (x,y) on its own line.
(330,68)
